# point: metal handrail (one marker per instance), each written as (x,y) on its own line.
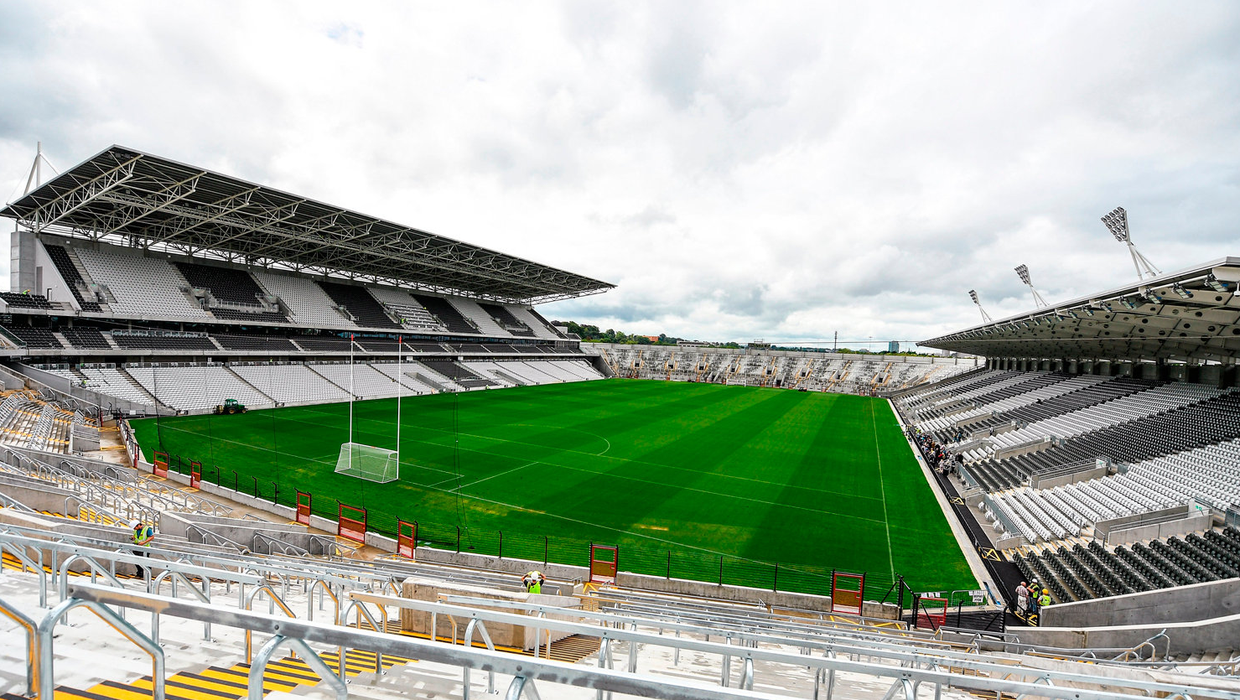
(47,685)
(610,680)
(278,546)
(216,538)
(353,574)
(32,645)
(903,654)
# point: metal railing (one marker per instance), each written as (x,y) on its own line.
(921,670)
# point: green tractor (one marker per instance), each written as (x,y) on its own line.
(230,407)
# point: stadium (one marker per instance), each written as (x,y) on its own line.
(374,429)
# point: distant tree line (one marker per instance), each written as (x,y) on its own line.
(592,334)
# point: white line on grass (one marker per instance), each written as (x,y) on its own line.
(882,489)
(592,454)
(708,492)
(321,460)
(488,478)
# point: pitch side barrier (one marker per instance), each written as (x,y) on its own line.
(406,535)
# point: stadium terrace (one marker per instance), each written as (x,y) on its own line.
(248,394)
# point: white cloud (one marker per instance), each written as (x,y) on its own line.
(739,170)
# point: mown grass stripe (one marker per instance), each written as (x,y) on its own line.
(703,471)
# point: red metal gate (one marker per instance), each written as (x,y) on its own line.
(931,612)
(195,474)
(303,508)
(604,563)
(160,466)
(352,523)
(406,538)
(847,592)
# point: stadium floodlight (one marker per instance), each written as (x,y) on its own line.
(1150,295)
(1215,283)
(1116,222)
(1073,314)
(1181,292)
(1023,272)
(1127,303)
(973,296)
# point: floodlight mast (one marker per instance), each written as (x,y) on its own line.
(985,316)
(1117,223)
(1023,272)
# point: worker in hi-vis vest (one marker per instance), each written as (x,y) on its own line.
(533,581)
(141,534)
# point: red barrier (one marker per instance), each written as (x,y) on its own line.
(847,592)
(195,474)
(160,466)
(303,508)
(604,563)
(931,612)
(352,523)
(406,538)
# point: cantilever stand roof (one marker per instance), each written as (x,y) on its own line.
(1190,315)
(125,196)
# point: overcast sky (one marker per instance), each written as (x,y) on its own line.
(739,170)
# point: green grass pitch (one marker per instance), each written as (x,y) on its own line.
(697,481)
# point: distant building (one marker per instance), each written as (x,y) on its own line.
(893,346)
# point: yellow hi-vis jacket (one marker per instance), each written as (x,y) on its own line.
(142,535)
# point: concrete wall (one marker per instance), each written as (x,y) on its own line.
(64,386)
(11,380)
(1185,637)
(21,261)
(240,531)
(502,634)
(1164,523)
(1199,601)
(1051,482)
(36,495)
(52,284)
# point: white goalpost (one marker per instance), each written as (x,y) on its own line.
(368,462)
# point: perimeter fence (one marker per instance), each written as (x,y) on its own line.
(667,561)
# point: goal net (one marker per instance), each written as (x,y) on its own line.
(369,463)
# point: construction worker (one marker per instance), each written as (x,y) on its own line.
(141,534)
(533,581)
(1044,599)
